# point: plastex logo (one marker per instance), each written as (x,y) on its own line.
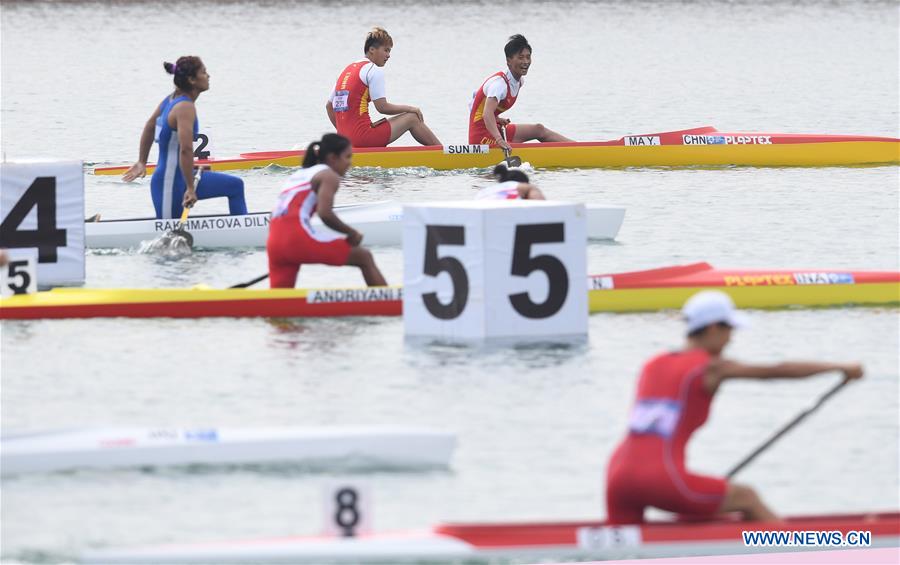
(823,278)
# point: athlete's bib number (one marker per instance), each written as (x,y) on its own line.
(655,416)
(341,101)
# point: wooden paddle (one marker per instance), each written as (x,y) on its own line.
(790,425)
(509,158)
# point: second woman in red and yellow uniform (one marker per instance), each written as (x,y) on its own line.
(497,94)
(362,82)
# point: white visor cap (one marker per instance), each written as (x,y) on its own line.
(709,307)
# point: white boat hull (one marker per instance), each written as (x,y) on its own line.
(380,222)
(427,546)
(142,447)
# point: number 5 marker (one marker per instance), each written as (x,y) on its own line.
(494,269)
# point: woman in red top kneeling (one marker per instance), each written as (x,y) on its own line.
(674,394)
(293,241)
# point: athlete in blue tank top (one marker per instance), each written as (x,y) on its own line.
(174,126)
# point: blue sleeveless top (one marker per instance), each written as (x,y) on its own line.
(166,137)
(167,183)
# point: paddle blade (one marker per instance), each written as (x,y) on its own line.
(183,234)
(250,282)
(173,244)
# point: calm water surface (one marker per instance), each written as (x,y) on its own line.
(535,425)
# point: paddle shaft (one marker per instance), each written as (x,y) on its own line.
(184,217)
(186,211)
(793,423)
(507,153)
(251,282)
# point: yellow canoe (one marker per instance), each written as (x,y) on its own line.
(652,290)
(704,146)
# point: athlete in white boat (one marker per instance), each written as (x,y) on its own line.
(363,82)
(497,94)
(175,124)
(293,241)
(674,394)
(511,184)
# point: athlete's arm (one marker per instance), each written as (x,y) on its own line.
(326,184)
(386,108)
(329,109)
(490,121)
(529,192)
(373,77)
(139,169)
(185,114)
(721,370)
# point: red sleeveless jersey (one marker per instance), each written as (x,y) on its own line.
(351,102)
(672,401)
(477,128)
(648,469)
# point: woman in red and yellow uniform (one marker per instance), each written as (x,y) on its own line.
(293,240)
(497,94)
(674,394)
(362,82)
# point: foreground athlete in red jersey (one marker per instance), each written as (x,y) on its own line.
(497,94)
(293,241)
(363,82)
(674,394)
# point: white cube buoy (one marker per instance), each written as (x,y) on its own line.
(494,269)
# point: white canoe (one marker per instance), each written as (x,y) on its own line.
(515,541)
(380,222)
(145,447)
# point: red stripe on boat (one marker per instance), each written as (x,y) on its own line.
(564,533)
(244,308)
